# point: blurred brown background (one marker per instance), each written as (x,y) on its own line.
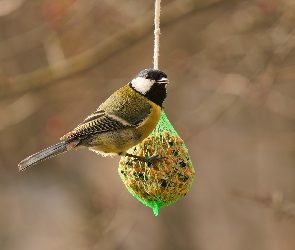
(231,97)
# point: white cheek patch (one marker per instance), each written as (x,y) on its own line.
(141,84)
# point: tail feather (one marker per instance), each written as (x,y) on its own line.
(44,155)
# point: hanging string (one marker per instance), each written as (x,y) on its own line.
(157,33)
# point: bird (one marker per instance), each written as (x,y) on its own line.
(126,118)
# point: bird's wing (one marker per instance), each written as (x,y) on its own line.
(97,122)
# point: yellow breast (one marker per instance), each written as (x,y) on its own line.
(150,122)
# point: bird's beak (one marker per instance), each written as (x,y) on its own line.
(163,80)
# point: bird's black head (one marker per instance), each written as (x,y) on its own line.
(151,83)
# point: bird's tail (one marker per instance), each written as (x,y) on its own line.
(46,154)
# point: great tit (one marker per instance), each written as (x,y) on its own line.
(127,117)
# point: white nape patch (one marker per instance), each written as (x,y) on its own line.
(142,85)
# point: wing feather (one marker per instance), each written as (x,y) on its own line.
(97,122)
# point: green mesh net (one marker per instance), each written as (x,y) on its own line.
(161,183)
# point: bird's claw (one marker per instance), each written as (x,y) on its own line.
(153,159)
(148,160)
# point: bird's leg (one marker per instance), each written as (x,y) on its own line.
(150,160)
